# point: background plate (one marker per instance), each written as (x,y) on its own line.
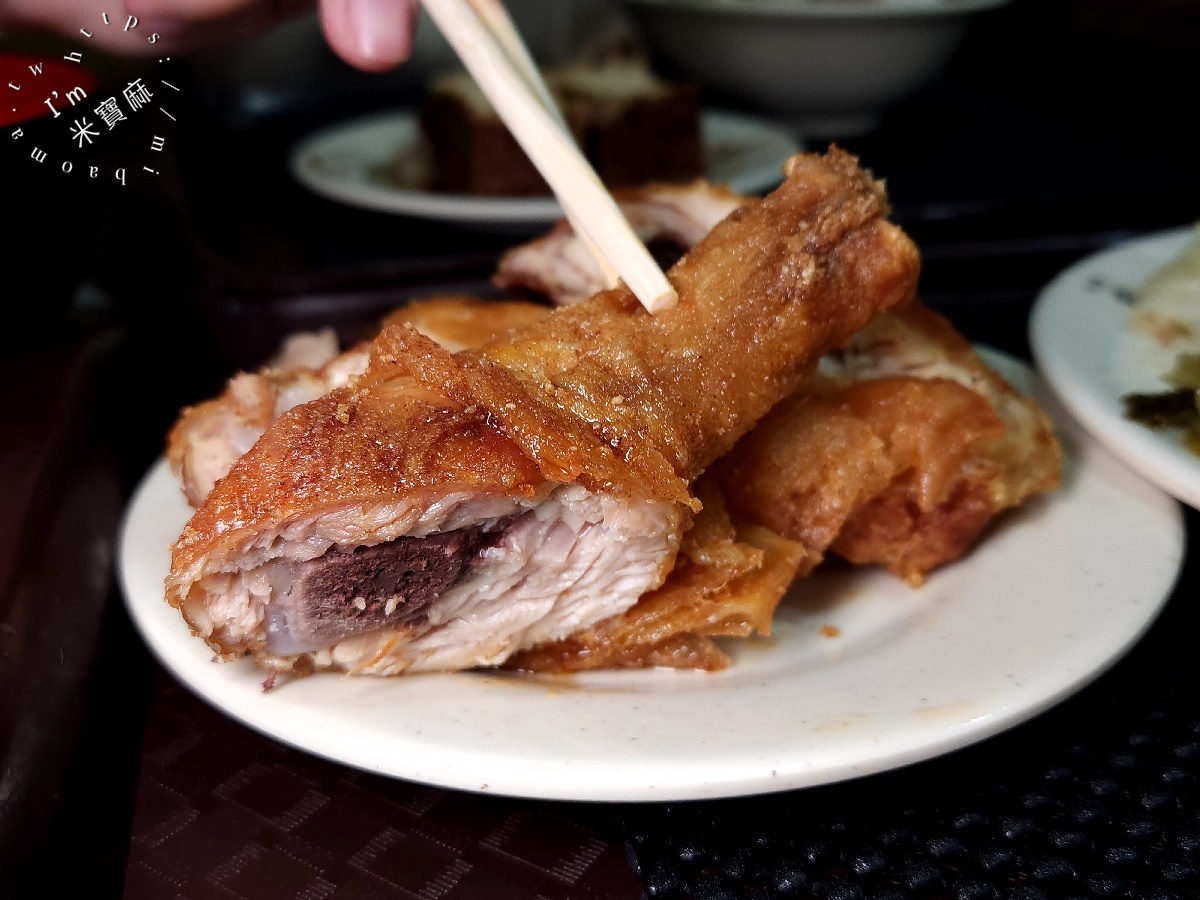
(348,161)
(1081,338)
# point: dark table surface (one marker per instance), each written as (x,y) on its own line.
(1048,138)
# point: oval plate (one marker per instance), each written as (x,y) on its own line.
(1055,594)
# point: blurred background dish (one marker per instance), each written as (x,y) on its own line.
(290,69)
(552,31)
(632,126)
(827,66)
(354,163)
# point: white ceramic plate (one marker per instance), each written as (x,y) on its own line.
(1048,601)
(347,162)
(1091,357)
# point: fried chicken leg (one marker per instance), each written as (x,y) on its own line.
(445,511)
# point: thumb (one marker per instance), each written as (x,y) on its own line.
(374,35)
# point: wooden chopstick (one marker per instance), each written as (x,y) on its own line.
(585,200)
(496,19)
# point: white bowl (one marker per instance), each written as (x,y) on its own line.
(828,66)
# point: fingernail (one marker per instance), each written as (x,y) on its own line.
(381,30)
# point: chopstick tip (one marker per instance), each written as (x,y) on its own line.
(666,300)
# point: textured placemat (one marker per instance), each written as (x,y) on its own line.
(225,813)
(1099,797)
(60,501)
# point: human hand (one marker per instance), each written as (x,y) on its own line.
(374,35)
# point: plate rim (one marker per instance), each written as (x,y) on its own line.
(468,208)
(678,779)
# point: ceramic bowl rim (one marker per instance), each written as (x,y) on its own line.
(824,9)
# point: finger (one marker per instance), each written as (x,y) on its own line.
(374,35)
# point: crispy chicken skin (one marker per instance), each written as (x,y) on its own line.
(207,438)
(769,289)
(901,454)
(460,323)
(565,450)
(940,503)
(824,455)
